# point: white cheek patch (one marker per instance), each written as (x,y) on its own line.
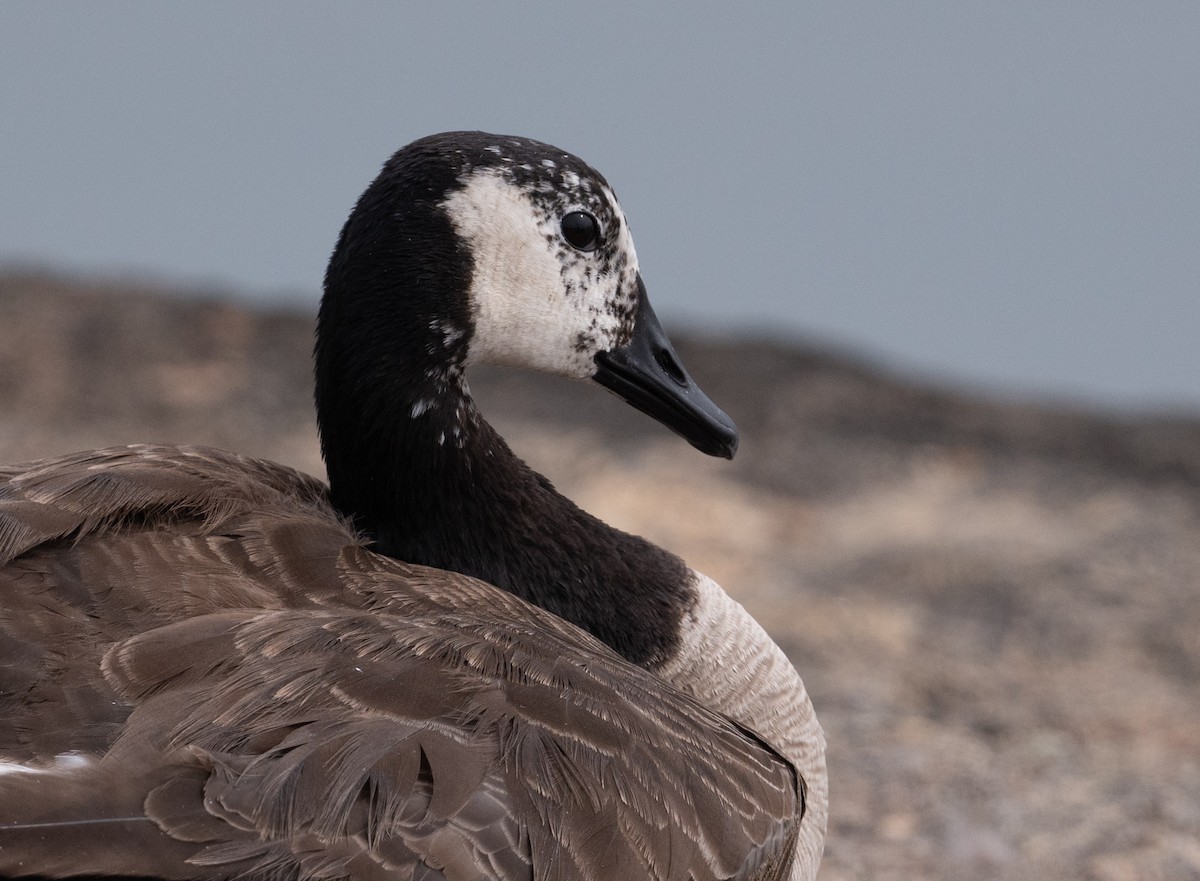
(537,302)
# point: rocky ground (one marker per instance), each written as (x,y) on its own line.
(996,606)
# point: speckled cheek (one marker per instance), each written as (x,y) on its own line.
(537,301)
(622,304)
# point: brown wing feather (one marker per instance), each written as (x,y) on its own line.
(264,697)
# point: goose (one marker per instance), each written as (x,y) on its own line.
(435,666)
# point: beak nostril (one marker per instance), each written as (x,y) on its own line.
(670,364)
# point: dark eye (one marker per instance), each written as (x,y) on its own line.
(581,230)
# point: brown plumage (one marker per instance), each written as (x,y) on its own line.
(265,697)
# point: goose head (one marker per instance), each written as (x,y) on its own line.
(472,248)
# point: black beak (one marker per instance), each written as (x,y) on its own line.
(647,374)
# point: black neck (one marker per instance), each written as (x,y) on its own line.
(417,468)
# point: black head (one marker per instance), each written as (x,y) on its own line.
(471,247)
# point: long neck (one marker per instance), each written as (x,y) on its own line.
(442,489)
(419,470)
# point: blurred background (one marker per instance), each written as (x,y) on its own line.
(997,194)
(940,261)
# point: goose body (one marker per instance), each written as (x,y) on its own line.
(434,667)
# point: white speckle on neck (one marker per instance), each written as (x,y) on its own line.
(441,438)
(421,406)
(448,330)
(493,149)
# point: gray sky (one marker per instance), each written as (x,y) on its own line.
(998,193)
